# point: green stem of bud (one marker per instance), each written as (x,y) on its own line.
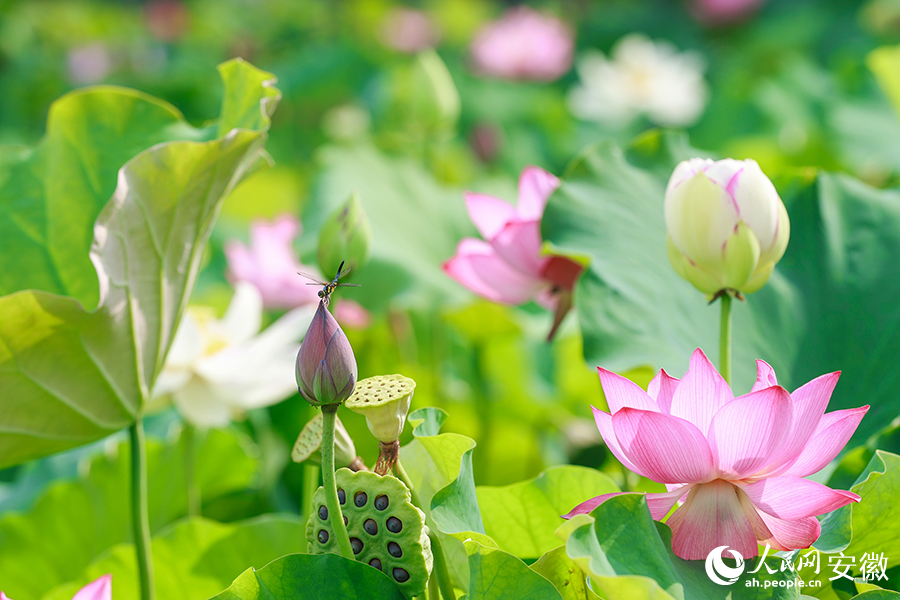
(140,516)
(329,413)
(440,570)
(725,339)
(189,445)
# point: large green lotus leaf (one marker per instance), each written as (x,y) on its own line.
(416,224)
(523,518)
(440,468)
(74,522)
(564,574)
(69,376)
(807,321)
(312,577)
(629,557)
(497,575)
(195,558)
(873,524)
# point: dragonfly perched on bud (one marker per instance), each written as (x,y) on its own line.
(329,286)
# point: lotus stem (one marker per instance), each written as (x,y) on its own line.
(140,518)
(440,570)
(310,485)
(189,446)
(329,412)
(725,339)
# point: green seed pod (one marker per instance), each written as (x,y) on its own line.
(309,443)
(386,530)
(384,401)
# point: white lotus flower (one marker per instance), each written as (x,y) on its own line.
(641,77)
(219,368)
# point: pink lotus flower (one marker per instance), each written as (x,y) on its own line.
(738,463)
(99,589)
(271,265)
(523,44)
(508,267)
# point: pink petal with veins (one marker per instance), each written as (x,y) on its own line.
(662,388)
(605,427)
(765,376)
(791,535)
(832,433)
(809,403)
(796,498)
(701,393)
(749,432)
(712,516)
(667,449)
(621,392)
(659,504)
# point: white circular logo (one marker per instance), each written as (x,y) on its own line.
(721,573)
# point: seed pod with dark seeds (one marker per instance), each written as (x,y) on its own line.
(386,530)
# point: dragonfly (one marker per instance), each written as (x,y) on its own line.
(329,286)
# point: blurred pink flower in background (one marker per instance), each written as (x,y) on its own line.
(167,20)
(99,589)
(350,313)
(270,264)
(408,30)
(508,267)
(723,12)
(523,44)
(89,64)
(738,464)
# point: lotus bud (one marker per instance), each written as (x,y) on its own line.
(309,445)
(424,100)
(727,227)
(384,401)
(326,368)
(345,237)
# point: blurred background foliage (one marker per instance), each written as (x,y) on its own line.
(410,127)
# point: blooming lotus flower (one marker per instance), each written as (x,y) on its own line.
(727,226)
(99,589)
(523,44)
(508,267)
(736,463)
(270,264)
(219,368)
(326,368)
(641,77)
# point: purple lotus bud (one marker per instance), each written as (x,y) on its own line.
(326,368)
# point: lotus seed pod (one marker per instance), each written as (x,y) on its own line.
(386,530)
(384,401)
(309,443)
